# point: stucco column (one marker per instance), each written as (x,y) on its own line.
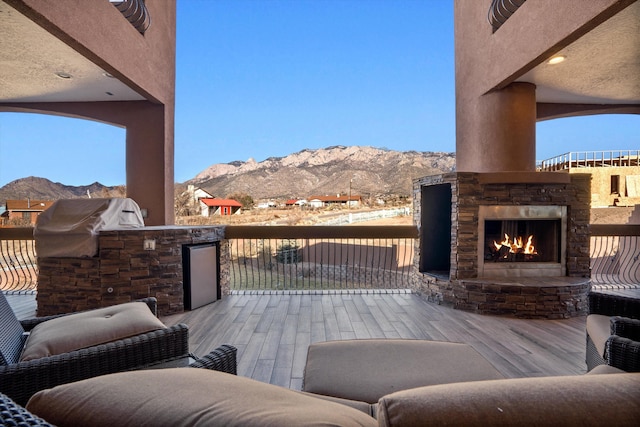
(150,163)
(496,132)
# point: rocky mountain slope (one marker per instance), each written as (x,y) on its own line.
(42,189)
(370,172)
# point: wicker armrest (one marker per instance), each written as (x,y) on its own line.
(221,359)
(613,305)
(12,414)
(29,324)
(21,380)
(623,353)
(626,327)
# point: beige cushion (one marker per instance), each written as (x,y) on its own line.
(86,329)
(368,369)
(186,396)
(595,400)
(367,408)
(605,369)
(599,329)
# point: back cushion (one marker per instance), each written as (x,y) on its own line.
(89,328)
(607,399)
(186,396)
(11,339)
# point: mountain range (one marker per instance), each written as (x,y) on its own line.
(366,171)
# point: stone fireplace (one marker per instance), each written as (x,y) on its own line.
(504,243)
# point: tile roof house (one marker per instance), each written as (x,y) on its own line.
(212,206)
(24,211)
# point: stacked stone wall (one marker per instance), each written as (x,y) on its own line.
(124,271)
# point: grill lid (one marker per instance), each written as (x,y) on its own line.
(70,227)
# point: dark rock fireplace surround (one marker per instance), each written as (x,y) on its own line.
(459,262)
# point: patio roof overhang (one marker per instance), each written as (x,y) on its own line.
(89,61)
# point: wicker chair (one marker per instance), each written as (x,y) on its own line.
(221,359)
(622,348)
(12,414)
(20,380)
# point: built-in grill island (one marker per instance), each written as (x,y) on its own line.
(504,243)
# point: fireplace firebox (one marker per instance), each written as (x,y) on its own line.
(521,241)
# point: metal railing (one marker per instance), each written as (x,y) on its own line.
(590,159)
(320,258)
(277,258)
(615,256)
(18,267)
(501,10)
(134,11)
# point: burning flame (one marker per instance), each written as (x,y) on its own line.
(516,246)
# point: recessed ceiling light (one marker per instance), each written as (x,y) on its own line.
(108,75)
(556,59)
(63,75)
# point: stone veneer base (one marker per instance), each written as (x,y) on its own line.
(531,298)
(124,271)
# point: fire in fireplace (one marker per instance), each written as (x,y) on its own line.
(521,241)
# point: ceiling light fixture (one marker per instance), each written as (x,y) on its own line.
(556,59)
(63,75)
(108,75)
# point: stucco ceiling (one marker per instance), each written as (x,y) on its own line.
(602,67)
(37,67)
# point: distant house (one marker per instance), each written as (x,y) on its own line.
(213,206)
(198,193)
(615,174)
(24,211)
(324,201)
(295,202)
(266,205)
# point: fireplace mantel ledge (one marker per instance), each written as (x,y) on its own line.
(524,177)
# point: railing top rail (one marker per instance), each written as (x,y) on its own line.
(615,230)
(320,232)
(17,233)
(587,156)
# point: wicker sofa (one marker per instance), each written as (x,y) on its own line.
(613,331)
(21,377)
(222,359)
(605,396)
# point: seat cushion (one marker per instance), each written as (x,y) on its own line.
(608,399)
(89,328)
(184,396)
(599,329)
(368,369)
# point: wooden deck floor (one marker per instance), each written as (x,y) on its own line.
(272,332)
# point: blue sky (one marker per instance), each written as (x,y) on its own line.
(277,77)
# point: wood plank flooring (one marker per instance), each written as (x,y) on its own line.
(273,331)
